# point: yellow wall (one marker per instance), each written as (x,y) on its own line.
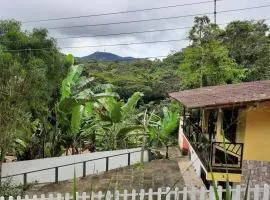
(236,178)
(257,133)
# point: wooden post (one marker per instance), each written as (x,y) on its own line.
(167,152)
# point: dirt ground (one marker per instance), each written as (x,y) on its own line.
(154,174)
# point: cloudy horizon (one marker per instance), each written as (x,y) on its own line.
(28,10)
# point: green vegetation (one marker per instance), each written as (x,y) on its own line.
(48,105)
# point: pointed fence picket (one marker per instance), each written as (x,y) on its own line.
(256,193)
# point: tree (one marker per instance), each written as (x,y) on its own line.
(249,45)
(206,62)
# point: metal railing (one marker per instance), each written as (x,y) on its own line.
(213,153)
(56,168)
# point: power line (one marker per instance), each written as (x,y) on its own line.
(119,12)
(158,19)
(104,45)
(123,33)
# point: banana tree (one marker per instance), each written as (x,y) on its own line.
(160,129)
(117,123)
(76,106)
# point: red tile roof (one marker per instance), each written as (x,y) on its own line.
(224,95)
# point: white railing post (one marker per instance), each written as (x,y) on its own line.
(159,194)
(99,196)
(168,193)
(42,197)
(34,197)
(150,194)
(256,192)
(2,198)
(10,198)
(142,194)
(238,192)
(116,195)
(176,193)
(18,198)
(220,192)
(108,195)
(83,196)
(92,196)
(185,193)
(202,193)
(125,197)
(58,196)
(133,197)
(67,196)
(193,193)
(266,192)
(211,193)
(50,197)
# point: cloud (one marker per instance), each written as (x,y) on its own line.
(43,9)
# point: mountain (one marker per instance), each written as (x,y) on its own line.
(105,56)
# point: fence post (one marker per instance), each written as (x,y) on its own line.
(56,174)
(266,192)
(84,169)
(24,178)
(128,158)
(107,164)
(159,194)
(142,194)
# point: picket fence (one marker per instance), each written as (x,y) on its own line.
(237,193)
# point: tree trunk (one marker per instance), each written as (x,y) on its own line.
(167,152)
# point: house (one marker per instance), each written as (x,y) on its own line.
(226,130)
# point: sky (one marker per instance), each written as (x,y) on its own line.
(28,10)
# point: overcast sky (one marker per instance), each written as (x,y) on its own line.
(25,10)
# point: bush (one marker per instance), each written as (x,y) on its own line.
(9,188)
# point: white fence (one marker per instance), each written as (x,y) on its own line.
(61,168)
(237,193)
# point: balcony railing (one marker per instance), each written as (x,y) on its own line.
(221,156)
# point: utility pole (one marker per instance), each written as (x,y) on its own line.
(215,12)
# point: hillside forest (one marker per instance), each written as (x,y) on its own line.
(52,104)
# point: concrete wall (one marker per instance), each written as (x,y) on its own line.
(66,172)
(259,172)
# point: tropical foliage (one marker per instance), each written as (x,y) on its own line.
(49,105)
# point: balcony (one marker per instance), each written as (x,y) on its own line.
(220,156)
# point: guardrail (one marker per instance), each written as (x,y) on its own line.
(84,166)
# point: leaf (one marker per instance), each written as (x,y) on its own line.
(115,112)
(69,59)
(76,117)
(131,103)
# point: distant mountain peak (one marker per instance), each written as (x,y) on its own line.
(106,56)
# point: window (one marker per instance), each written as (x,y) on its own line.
(230,117)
